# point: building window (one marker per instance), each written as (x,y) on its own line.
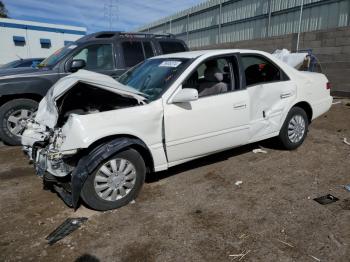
(45,43)
(68,42)
(19,40)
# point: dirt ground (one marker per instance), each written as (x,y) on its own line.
(196,212)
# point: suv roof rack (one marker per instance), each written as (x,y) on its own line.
(118,34)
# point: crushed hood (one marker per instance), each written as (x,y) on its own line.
(47,113)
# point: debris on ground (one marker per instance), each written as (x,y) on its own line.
(241,255)
(239,182)
(347,187)
(346,141)
(317,259)
(67,227)
(327,199)
(259,150)
(336,103)
(132,202)
(283,242)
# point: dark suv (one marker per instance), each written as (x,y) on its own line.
(110,53)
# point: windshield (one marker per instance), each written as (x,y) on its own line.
(53,59)
(154,76)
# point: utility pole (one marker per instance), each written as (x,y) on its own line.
(111,11)
(220,22)
(300,18)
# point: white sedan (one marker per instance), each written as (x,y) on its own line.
(95,138)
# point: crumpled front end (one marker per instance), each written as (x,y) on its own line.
(54,140)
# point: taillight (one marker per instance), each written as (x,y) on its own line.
(329,86)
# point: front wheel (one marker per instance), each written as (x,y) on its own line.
(294,129)
(115,182)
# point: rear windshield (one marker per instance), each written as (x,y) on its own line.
(153,76)
(169,47)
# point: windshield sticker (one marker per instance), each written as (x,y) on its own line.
(170,64)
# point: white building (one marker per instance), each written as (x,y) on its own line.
(26,39)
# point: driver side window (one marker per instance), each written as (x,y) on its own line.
(212,77)
(97,56)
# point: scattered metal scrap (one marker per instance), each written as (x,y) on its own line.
(346,141)
(317,259)
(283,242)
(67,227)
(347,187)
(241,255)
(239,183)
(259,150)
(327,199)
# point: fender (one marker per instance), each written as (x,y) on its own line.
(88,163)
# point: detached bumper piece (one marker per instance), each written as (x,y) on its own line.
(67,227)
(60,186)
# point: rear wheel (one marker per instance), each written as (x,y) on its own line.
(13,117)
(294,129)
(115,182)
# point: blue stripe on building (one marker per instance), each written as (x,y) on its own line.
(42,28)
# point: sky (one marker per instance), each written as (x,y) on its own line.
(93,14)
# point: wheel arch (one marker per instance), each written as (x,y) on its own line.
(137,143)
(6,98)
(307,108)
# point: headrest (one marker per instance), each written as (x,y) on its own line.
(213,74)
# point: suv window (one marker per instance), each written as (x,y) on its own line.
(212,77)
(97,56)
(169,47)
(133,53)
(259,70)
(148,49)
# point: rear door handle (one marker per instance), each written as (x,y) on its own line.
(239,106)
(286,95)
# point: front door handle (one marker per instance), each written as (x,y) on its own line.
(239,106)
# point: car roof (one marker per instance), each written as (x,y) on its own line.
(212,52)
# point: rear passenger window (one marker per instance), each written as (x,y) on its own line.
(148,49)
(133,53)
(169,47)
(259,70)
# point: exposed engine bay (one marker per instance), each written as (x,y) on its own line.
(84,99)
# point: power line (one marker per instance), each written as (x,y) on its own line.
(111,11)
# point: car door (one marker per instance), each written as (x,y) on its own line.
(271,93)
(212,123)
(99,57)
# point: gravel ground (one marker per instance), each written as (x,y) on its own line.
(196,212)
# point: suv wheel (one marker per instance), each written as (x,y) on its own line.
(13,118)
(115,182)
(294,129)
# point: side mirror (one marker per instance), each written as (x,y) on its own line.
(77,64)
(186,95)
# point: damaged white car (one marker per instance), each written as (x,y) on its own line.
(95,139)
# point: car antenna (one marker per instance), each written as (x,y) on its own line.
(20,58)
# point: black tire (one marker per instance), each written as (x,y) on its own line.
(283,137)
(94,201)
(6,110)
